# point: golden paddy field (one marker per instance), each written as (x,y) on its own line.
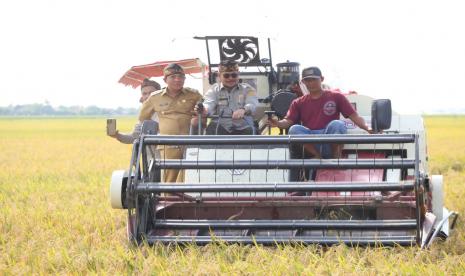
(55,216)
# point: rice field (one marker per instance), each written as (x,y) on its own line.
(55,216)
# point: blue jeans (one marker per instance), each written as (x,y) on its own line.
(334,127)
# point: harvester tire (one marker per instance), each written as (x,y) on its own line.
(118,183)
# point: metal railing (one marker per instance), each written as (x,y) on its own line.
(144,191)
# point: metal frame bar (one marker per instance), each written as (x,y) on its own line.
(266,65)
(141,202)
(270,83)
(130,187)
(307,199)
(286,224)
(276,140)
(152,187)
(440,225)
(288,164)
(417,190)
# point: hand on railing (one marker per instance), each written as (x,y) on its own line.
(200,109)
(238,114)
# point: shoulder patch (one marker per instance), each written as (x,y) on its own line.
(251,93)
(246,85)
(191,90)
(249,88)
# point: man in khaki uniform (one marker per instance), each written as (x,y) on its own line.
(174,105)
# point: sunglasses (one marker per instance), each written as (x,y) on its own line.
(232,75)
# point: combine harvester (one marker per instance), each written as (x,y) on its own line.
(251,189)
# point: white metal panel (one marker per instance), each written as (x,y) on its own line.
(237,175)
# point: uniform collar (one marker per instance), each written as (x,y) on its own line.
(222,86)
(165,90)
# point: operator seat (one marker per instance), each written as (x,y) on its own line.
(280,105)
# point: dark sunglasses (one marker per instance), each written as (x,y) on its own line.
(232,75)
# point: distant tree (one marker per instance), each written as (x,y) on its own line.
(46,109)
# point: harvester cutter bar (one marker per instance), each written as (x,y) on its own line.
(356,241)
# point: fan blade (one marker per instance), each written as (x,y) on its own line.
(229,51)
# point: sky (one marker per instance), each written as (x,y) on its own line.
(74,52)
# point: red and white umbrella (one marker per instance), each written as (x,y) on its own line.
(137,74)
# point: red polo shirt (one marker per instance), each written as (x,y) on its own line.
(317,113)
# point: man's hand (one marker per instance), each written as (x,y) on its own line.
(202,109)
(272,122)
(360,122)
(114,135)
(238,114)
(371,131)
(283,124)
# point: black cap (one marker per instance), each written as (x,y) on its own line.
(311,72)
(172,69)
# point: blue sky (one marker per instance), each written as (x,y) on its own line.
(73,52)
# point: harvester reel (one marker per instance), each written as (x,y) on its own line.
(349,201)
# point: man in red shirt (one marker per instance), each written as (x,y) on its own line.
(319,112)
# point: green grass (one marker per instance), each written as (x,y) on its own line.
(55,216)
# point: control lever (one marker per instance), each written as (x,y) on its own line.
(200,109)
(270,114)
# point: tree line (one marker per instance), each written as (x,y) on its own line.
(39,109)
